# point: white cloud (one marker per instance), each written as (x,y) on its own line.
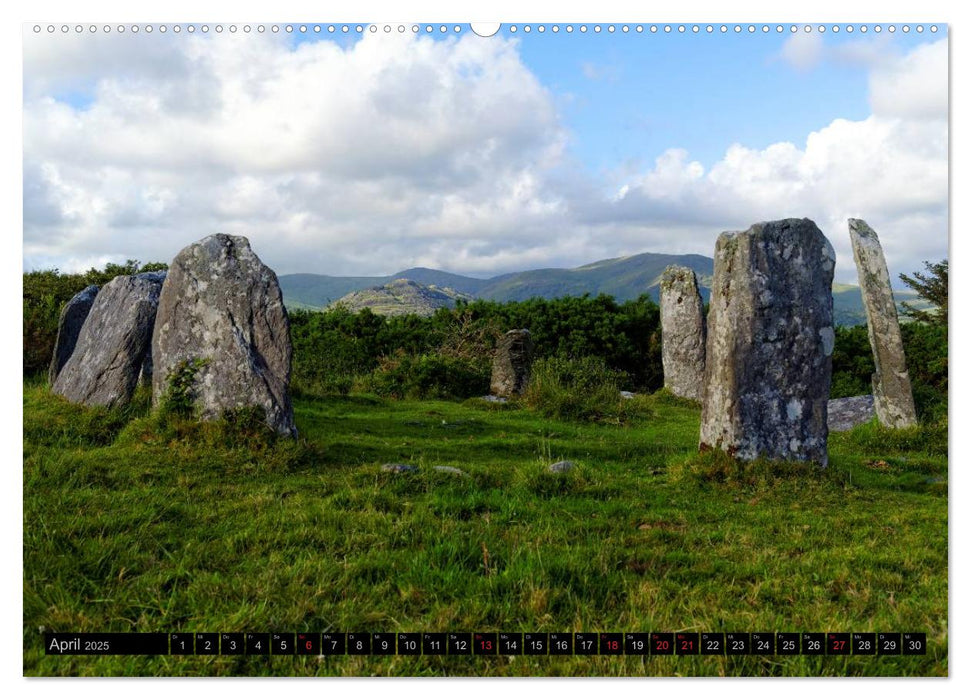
(403,150)
(803,50)
(913,87)
(302,149)
(890,169)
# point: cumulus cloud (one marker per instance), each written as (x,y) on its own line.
(324,155)
(397,151)
(913,87)
(890,169)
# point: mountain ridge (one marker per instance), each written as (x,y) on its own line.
(624,278)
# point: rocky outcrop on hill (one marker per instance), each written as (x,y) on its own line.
(402,297)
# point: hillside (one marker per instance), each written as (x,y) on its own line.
(623,278)
(401,297)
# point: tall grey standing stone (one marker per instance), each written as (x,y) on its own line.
(512,363)
(221,305)
(683,333)
(893,399)
(110,352)
(770,343)
(69,326)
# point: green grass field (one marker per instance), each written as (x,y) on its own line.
(135,524)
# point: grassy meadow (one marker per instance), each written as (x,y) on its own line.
(135,522)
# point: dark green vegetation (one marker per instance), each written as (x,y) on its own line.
(449,355)
(149,522)
(932,288)
(925,347)
(46,292)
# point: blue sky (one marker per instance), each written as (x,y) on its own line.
(479,156)
(630,96)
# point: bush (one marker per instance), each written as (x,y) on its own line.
(429,377)
(179,399)
(575,389)
(332,346)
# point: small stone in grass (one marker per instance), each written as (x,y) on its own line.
(450,470)
(561,467)
(399,468)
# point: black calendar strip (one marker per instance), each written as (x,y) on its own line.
(488,643)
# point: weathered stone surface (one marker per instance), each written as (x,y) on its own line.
(69,326)
(221,305)
(683,333)
(893,398)
(450,470)
(399,468)
(770,342)
(111,347)
(512,363)
(846,414)
(561,467)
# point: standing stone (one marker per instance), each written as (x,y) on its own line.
(111,347)
(892,395)
(770,343)
(222,306)
(69,326)
(512,363)
(683,333)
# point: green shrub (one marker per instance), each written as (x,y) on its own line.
(332,345)
(429,377)
(178,399)
(583,389)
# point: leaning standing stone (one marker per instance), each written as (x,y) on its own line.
(770,343)
(69,326)
(222,308)
(683,333)
(111,347)
(892,395)
(512,363)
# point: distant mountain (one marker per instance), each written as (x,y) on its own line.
(623,278)
(401,297)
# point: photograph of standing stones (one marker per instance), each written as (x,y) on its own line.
(451,333)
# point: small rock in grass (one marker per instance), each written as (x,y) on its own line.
(495,399)
(399,468)
(561,467)
(627,394)
(450,470)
